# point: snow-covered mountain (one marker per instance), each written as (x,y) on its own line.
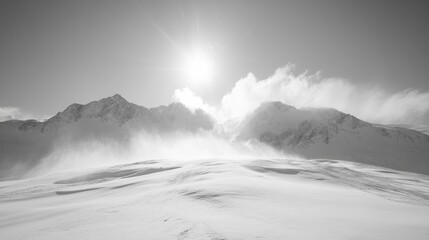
(24,143)
(113,109)
(119,112)
(308,132)
(328,133)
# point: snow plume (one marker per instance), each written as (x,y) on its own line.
(68,155)
(201,145)
(192,101)
(372,104)
(14,113)
(9,113)
(248,93)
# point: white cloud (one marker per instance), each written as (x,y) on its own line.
(9,113)
(310,90)
(192,101)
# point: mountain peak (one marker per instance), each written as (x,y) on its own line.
(115,109)
(118,97)
(109,109)
(275,105)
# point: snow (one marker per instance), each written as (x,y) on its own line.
(85,194)
(23,144)
(117,110)
(327,133)
(219,199)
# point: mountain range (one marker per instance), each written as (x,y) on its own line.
(319,133)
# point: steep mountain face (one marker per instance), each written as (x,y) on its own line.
(24,143)
(328,133)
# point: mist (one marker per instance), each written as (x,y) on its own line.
(69,155)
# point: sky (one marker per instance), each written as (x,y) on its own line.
(367,58)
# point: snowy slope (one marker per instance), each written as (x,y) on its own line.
(328,133)
(219,199)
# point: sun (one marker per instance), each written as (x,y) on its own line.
(198,66)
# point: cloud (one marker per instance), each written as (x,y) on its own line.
(372,104)
(10,113)
(310,90)
(192,101)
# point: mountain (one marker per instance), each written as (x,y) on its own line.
(119,112)
(113,109)
(328,133)
(24,143)
(315,133)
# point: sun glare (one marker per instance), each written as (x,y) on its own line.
(198,66)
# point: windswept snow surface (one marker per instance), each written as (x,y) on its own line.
(219,199)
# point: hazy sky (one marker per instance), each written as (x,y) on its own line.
(54,53)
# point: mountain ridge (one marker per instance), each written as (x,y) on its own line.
(329,133)
(307,132)
(113,109)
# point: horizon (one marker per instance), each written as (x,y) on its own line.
(422,129)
